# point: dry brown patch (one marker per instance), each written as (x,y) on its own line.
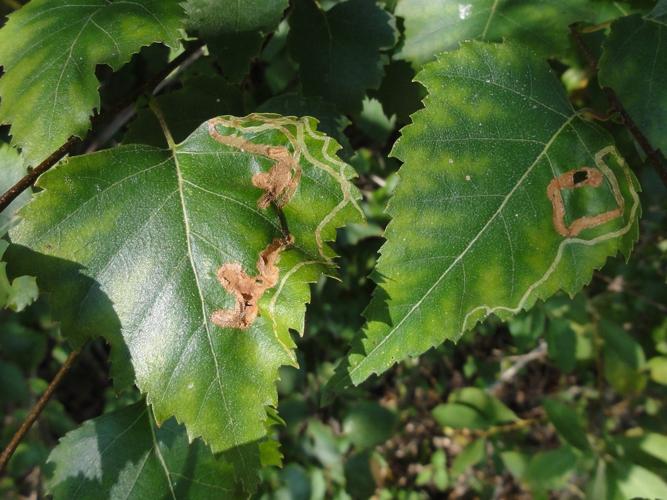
(593,178)
(282,179)
(249,289)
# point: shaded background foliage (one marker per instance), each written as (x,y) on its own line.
(566,400)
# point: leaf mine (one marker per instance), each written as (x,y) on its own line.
(249,289)
(280,182)
(591,177)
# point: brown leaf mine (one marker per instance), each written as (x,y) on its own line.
(574,179)
(280,182)
(249,289)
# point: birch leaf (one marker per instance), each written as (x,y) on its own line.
(637,46)
(507,195)
(124,455)
(432,26)
(339,50)
(176,257)
(49,50)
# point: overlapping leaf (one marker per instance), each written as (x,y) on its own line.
(19,292)
(130,241)
(232,16)
(339,51)
(49,50)
(495,208)
(184,109)
(331,121)
(638,46)
(11,170)
(123,455)
(22,290)
(234,30)
(432,26)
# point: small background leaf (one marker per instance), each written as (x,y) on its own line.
(49,89)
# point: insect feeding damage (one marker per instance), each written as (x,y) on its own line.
(574,179)
(249,289)
(282,179)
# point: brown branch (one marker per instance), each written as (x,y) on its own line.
(35,411)
(652,154)
(29,179)
(520,362)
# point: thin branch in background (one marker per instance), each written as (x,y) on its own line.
(519,362)
(36,410)
(654,157)
(618,285)
(148,86)
(29,179)
(124,115)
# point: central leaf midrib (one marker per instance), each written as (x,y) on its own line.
(390,334)
(186,224)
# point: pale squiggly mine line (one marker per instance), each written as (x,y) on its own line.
(599,161)
(274,299)
(345,188)
(298,143)
(281,124)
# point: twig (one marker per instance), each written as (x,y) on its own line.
(123,115)
(653,155)
(629,290)
(29,179)
(35,411)
(510,427)
(519,363)
(66,148)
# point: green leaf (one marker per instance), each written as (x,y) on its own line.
(368,424)
(233,16)
(373,121)
(655,445)
(470,455)
(184,110)
(330,120)
(598,487)
(440,475)
(399,94)
(567,423)
(635,481)
(459,416)
(234,52)
(14,388)
(489,406)
(49,50)
(338,51)
(474,231)
(550,470)
(432,26)
(562,344)
(516,462)
(128,242)
(526,328)
(123,455)
(658,369)
(11,170)
(636,46)
(20,292)
(624,359)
